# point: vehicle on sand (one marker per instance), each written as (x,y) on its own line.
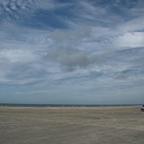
(142,108)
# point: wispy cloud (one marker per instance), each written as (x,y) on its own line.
(89,44)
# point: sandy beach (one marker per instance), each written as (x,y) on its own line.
(109,125)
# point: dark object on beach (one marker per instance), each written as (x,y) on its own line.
(142,108)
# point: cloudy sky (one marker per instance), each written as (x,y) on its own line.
(72,51)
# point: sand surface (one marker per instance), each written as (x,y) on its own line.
(119,125)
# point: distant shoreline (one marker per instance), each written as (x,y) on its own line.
(67,105)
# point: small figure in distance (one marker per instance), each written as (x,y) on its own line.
(142,108)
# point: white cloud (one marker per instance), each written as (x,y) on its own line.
(18,55)
(130,39)
(136,24)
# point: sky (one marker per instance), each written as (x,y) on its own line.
(72,51)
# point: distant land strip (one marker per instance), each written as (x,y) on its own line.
(64,105)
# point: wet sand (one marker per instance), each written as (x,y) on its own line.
(109,125)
